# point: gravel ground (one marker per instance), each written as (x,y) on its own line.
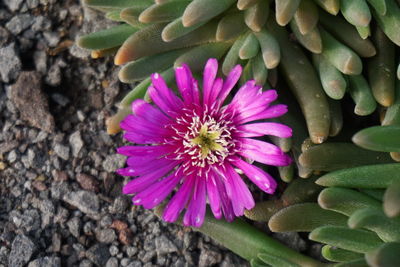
(60,202)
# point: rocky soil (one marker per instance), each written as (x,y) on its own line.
(60,201)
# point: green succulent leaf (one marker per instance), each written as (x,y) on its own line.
(356,12)
(390,22)
(274,260)
(379,138)
(304,217)
(336,156)
(142,68)
(391,200)
(332,79)
(375,220)
(199,11)
(339,255)
(363,177)
(347,34)
(387,255)
(305,85)
(355,240)
(345,201)
(285,10)
(109,38)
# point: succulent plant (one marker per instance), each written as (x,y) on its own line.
(335,63)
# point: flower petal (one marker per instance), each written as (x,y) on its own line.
(187,85)
(213,196)
(179,200)
(158,150)
(260,178)
(157,192)
(146,166)
(230,82)
(265,128)
(269,159)
(216,89)
(271,112)
(196,210)
(209,75)
(138,184)
(143,109)
(237,191)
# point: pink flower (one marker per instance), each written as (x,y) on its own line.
(197,145)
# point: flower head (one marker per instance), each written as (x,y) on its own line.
(198,145)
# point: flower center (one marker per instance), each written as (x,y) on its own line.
(208,141)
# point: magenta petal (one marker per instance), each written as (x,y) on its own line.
(128,171)
(237,191)
(166,93)
(215,91)
(161,100)
(142,182)
(196,210)
(184,80)
(262,179)
(230,82)
(145,110)
(158,150)
(265,147)
(179,200)
(226,204)
(213,196)
(210,72)
(157,192)
(140,169)
(269,159)
(271,112)
(265,128)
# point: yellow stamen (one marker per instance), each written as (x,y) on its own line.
(207,141)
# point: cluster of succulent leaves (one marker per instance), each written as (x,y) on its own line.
(323,56)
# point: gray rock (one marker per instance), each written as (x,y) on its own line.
(13,5)
(135,264)
(52,38)
(292,240)
(78,52)
(22,249)
(106,236)
(4,34)
(87,202)
(75,140)
(10,64)
(53,77)
(113,162)
(121,204)
(12,156)
(98,254)
(19,23)
(32,3)
(74,226)
(131,251)
(125,262)
(40,60)
(41,23)
(46,262)
(209,258)
(164,245)
(112,262)
(85,263)
(62,151)
(60,99)
(31,102)
(113,250)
